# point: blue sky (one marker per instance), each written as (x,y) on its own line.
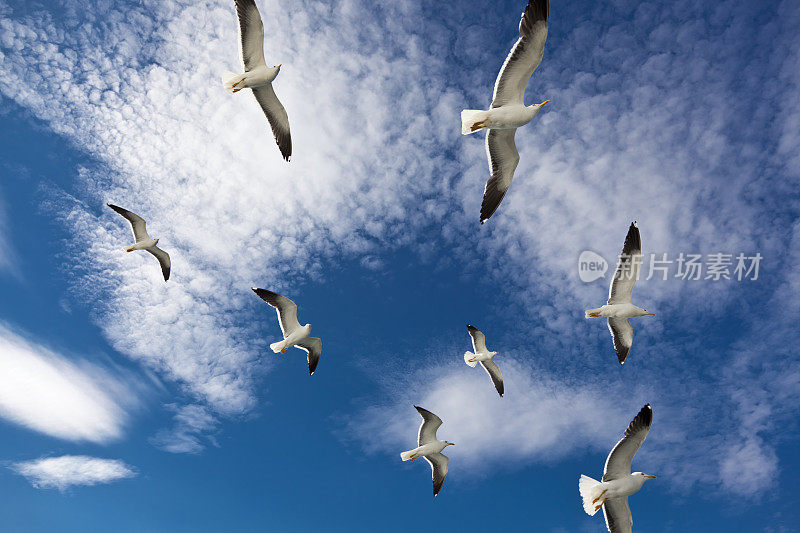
(128,404)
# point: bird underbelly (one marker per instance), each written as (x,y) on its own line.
(430,448)
(142,245)
(621,488)
(507,118)
(618,311)
(258,78)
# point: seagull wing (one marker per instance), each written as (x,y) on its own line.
(524,57)
(478,339)
(251,34)
(313,347)
(439,464)
(618,464)
(287,310)
(494,372)
(163,260)
(503,160)
(622,335)
(278,119)
(427,430)
(630,260)
(618,515)
(137,223)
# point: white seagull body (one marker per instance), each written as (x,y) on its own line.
(619,307)
(430,448)
(618,483)
(143,240)
(258,76)
(293,333)
(508,110)
(483,356)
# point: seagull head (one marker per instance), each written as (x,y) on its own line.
(278,67)
(535,108)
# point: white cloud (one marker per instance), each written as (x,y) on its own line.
(67,399)
(749,467)
(192,425)
(8,257)
(72,470)
(540,419)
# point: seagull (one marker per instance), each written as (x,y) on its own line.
(143,240)
(483,356)
(258,76)
(508,111)
(430,448)
(618,483)
(293,333)
(619,307)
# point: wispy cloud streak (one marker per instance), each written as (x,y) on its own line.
(72,470)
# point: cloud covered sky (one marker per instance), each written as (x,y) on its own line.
(681,117)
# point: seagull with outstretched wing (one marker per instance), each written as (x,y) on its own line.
(483,356)
(618,483)
(619,308)
(430,448)
(293,333)
(258,76)
(508,110)
(143,240)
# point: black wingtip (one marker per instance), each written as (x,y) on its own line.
(535,11)
(645,414)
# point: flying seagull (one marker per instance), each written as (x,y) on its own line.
(618,483)
(430,448)
(258,76)
(483,356)
(293,333)
(508,111)
(143,240)
(619,307)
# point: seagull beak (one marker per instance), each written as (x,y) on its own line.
(279,66)
(650,477)
(451,443)
(543,103)
(651,314)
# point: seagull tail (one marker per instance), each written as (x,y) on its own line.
(277,346)
(590,490)
(229,80)
(593,313)
(467,357)
(470,119)
(406,456)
